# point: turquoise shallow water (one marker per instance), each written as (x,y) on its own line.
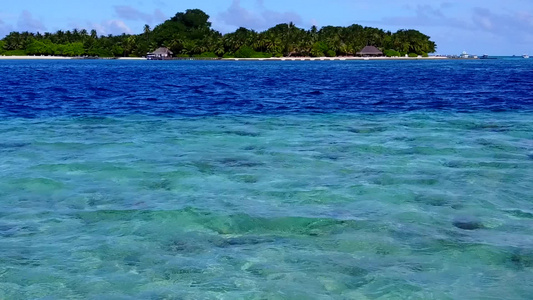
(420,205)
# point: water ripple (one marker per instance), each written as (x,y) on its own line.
(214,88)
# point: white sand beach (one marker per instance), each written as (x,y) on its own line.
(34,57)
(61,57)
(240,59)
(131,58)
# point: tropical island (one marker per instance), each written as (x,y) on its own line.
(189,34)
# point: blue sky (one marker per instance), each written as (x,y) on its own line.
(495,27)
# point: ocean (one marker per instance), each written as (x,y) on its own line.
(266,180)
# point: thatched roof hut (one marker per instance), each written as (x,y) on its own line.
(370,51)
(160,53)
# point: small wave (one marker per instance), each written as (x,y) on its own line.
(220,83)
(58,89)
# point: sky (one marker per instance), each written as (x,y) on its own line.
(493,27)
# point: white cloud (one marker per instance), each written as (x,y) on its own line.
(5,29)
(27,22)
(115,27)
(476,29)
(127,12)
(426,15)
(263,18)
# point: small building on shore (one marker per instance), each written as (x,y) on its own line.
(370,51)
(161,53)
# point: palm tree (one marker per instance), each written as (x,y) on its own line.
(129,45)
(146,29)
(260,43)
(219,48)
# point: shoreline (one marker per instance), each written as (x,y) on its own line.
(233,59)
(28,57)
(334,58)
(20,57)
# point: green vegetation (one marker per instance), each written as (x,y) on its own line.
(14,53)
(189,34)
(206,55)
(392,53)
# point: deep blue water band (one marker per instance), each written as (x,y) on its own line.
(33,89)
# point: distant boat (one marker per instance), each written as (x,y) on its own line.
(486,56)
(525,56)
(464,55)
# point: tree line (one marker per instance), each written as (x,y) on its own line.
(189,34)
